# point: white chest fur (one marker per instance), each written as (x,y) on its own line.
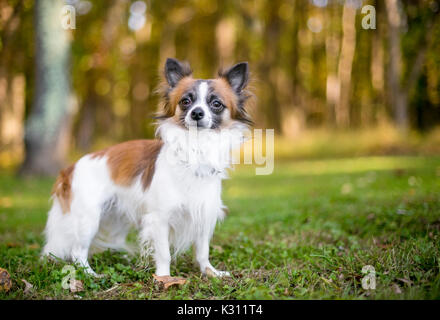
(186,187)
(202,153)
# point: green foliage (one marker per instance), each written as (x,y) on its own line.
(115,70)
(304,232)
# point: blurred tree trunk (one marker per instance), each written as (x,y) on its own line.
(397,97)
(12,100)
(225,36)
(294,59)
(269,64)
(378,67)
(87,121)
(12,86)
(400,88)
(345,66)
(96,116)
(47,128)
(332,43)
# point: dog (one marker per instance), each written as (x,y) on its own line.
(169,188)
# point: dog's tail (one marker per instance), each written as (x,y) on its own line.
(62,189)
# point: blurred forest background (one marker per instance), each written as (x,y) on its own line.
(318,75)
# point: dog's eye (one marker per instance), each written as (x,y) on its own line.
(185,102)
(217,105)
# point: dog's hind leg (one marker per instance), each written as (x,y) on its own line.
(58,233)
(85,228)
(69,234)
(112,233)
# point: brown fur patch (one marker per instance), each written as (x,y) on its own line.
(172,96)
(62,188)
(130,159)
(225,91)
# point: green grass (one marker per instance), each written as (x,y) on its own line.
(304,232)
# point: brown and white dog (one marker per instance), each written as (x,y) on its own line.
(168,188)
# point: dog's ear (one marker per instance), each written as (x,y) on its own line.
(176,70)
(237,76)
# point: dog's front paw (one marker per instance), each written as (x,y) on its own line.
(211,272)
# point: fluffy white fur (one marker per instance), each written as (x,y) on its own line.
(179,209)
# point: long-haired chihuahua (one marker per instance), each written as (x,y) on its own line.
(168,188)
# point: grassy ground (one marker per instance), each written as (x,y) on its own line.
(306,231)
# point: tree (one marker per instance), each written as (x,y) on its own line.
(47,127)
(400,86)
(345,66)
(268,65)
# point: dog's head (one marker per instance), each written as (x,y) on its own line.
(205,104)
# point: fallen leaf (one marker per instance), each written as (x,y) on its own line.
(76,285)
(396,289)
(12,245)
(168,281)
(28,286)
(5,280)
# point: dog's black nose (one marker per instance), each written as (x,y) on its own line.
(197,114)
